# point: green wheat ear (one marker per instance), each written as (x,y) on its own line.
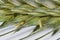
(39,13)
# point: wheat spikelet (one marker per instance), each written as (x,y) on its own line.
(30,12)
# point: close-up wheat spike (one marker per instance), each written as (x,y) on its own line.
(39,13)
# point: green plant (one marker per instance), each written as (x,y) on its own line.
(39,13)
